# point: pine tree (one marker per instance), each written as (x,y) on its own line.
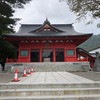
(7,9)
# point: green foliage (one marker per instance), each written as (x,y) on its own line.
(92,43)
(7,50)
(7,8)
(83,7)
(7,23)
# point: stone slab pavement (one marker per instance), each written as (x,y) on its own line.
(52,78)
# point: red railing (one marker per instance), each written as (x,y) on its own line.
(11,60)
(66,60)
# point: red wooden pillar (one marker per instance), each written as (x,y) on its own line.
(40,54)
(64,54)
(19,54)
(75,55)
(29,55)
(87,58)
(54,55)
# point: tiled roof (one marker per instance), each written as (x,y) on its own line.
(27,30)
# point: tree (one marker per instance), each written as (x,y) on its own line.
(7,50)
(84,8)
(7,9)
(7,23)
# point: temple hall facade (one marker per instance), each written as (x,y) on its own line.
(48,43)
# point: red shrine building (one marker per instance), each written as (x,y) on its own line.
(48,43)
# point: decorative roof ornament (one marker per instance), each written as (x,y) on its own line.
(46,21)
(46,27)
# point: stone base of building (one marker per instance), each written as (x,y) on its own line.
(97,67)
(49,66)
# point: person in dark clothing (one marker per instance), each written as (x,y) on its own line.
(3,66)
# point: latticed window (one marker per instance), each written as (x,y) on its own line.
(70,52)
(24,53)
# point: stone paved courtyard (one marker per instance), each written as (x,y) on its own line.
(52,78)
(95,76)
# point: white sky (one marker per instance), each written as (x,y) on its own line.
(57,12)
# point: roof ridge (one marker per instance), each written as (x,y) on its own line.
(42,24)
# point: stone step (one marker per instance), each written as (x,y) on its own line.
(68,97)
(49,66)
(49,92)
(41,86)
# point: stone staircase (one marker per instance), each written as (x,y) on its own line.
(80,91)
(50,66)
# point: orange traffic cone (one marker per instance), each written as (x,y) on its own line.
(24,74)
(29,70)
(16,76)
(32,70)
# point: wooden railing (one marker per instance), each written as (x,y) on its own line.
(11,60)
(66,60)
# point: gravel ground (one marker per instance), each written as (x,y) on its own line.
(7,77)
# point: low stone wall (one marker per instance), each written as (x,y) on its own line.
(49,66)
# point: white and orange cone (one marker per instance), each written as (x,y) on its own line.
(16,76)
(29,70)
(24,74)
(32,70)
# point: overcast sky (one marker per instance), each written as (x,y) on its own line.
(57,12)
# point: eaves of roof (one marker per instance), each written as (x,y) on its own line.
(45,35)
